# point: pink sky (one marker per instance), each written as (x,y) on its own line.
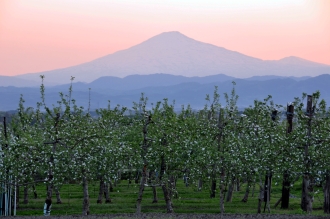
(39,35)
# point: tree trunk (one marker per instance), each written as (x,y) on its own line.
(58,196)
(154,192)
(142,184)
(230,191)
(137,177)
(307,198)
(17,196)
(106,193)
(185,179)
(111,186)
(144,178)
(285,191)
(129,178)
(118,179)
(176,194)
(172,187)
(261,195)
(253,188)
(167,198)
(85,210)
(238,184)
(278,202)
(222,196)
(48,201)
(247,191)
(26,196)
(49,191)
(200,184)
(326,192)
(269,189)
(166,190)
(151,173)
(34,191)
(213,188)
(267,192)
(101,191)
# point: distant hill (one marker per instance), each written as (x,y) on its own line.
(176,54)
(270,77)
(140,81)
(191,92)
(113,85)
(17,82)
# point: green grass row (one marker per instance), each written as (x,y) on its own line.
(189,200)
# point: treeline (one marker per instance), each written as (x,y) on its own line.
(216,144)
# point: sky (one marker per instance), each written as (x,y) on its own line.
(39,35)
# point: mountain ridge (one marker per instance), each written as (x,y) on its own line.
(177,54)
(283,90)
(136,81)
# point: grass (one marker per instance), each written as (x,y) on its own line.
(124,196)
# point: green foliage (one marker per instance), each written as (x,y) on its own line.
(65,143)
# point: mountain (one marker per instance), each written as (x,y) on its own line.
(17,82)
(114,85)
(293,60)
(283,90)
(176,54)
(154,80)
(270,77)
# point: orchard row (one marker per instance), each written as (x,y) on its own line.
(218,144)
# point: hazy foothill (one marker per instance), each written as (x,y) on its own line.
(247,137)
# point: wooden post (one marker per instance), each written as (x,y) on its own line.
(7,198)
(286,182)
(307,186)
(5,130)
(326,203)
(289,117)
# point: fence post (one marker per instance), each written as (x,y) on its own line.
(286,181)
(6,200)
(307,185)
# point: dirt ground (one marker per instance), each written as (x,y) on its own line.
(179,216)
